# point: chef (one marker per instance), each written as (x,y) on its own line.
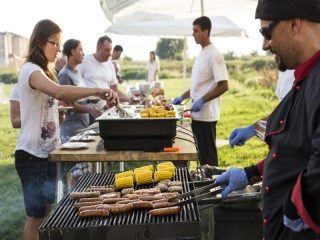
(291,171)
(209,80)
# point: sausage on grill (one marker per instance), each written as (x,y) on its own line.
(92,207)
(151,198)
(128,201)
(142,205)
(83,204)
(94,213)
(159,201)
(90,199)
(118,208)
(164,211)
(112,200)
(162,205)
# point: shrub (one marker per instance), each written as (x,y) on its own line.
(163,74)
(178,56)
(127,59)
(8,75)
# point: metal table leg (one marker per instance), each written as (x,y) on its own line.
(121,166)
(63,169)
(183,163)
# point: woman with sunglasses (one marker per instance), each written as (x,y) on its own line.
(39,95)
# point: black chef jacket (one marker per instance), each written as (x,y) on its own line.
(293,162)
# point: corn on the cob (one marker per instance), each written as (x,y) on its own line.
(125,182)
(160,115)
(124,174)
(144,115)
(144,177)
(147,167)
(162,175)
(153,115)
(168,169)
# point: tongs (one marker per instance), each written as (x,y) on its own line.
(122,112)
(82,135)
(262,124)
(197,191)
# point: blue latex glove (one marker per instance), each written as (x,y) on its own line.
(237,179)
(240,135)
(178,100)
(197,106)
(295,225)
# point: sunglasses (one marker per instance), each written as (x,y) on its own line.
(266,31)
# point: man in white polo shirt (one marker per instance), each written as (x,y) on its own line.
(209,80)
(97,71)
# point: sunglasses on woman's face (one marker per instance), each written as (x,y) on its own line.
(266,31)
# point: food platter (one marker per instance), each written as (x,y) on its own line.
(74,145)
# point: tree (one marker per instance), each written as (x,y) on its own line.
(167,47)
(230,55)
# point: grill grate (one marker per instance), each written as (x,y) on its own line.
(65,217)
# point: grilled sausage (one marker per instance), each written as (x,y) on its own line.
(111,195)
(175,189)
(162,205)
(139,196)
(126,191)
(84,204)
(84,194)
(108,186)
(159,201)
(164,211)
(118,208)
(162,187)
(174,183)
(94,213)
(150,191)
(92,207)
(142,205)
(101,190)
(111,200)
(128,201)
(130,195)
(167,195)
(90,199)
(150,198)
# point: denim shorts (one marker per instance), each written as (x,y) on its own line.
(38,179)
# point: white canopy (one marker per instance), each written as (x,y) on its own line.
(130,11)
(221,27)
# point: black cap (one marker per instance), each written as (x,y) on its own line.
(277,10)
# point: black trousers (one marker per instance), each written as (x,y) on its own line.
(206,135)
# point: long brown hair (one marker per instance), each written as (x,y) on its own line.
(43,30)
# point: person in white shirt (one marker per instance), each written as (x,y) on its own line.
(152,69)
(116,53)
(97,71)
(286,78)
(39,95)
(209,80)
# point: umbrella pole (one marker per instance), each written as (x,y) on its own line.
(202,12)
(184,63)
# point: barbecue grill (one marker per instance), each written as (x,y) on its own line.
(63,223)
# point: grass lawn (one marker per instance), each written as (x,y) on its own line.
(240,107)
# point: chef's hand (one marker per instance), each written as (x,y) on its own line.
(240,135)
(109,95)
(291,218)
(197,106)
(295,225)
(178,100)
(237,179)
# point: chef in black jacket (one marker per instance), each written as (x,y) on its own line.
(291,170)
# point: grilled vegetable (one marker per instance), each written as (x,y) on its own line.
(144,115)
(164,211)
(162,175)
(168,169)
(144,178)
(84,194)
(150,167)
(124,182)
(124,174)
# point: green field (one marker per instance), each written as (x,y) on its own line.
(240,107)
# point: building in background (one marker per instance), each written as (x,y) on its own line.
(11,46)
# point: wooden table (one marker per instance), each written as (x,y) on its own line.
(67,158)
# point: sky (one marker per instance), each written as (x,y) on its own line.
(84,20)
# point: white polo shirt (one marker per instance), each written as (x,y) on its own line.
(284,84)
(97,74)
(152,67)
(208,69)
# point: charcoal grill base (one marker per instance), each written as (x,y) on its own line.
(161,231)
(149,144)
